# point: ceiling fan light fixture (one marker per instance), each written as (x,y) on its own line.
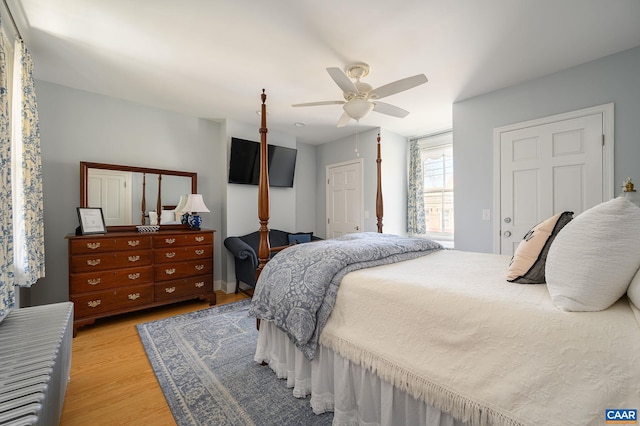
(357,108)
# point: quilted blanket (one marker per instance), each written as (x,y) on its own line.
(297,289)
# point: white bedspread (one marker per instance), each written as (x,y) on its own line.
(450,330)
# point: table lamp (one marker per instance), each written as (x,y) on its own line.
(192,206)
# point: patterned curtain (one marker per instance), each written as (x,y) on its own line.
(7,290)
(28,212)
(415,209)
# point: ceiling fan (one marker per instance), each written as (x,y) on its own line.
(361,98)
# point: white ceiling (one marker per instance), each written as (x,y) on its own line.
(212,58)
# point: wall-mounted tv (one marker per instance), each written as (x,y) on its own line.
(244,163)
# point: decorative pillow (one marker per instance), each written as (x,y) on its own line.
(300,237)
(593,259)
(633,292)
(527,263)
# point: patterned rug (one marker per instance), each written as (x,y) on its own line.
(203,361)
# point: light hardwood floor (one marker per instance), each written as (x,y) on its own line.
(112,382)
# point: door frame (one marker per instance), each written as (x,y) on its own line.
(608,186)
(340,164)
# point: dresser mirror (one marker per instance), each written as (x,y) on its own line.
(131,196)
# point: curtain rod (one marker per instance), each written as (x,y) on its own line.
(12,20)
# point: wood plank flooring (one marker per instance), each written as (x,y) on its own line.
(112,382)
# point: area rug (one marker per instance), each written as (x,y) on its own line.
(204,363)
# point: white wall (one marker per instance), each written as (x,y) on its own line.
(611,79)
(394,181)
(241,209)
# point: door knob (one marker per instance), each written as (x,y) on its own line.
(507,233)
(357,228)
(507,220)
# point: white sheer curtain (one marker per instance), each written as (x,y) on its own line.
(28,212)
(21,209)
(7,290)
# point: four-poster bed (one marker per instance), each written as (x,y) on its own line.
(421,335)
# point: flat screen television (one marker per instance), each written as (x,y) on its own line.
(244,163)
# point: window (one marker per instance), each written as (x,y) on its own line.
(436,158)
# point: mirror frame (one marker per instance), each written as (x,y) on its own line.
(84,178)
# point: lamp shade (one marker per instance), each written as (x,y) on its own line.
(357,108)
(194,203)
(180,207)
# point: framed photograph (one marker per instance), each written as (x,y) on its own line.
(91,220)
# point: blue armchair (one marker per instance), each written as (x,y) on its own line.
(245,249)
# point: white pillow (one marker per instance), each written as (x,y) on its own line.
(153,218)
(167,216)
(594,257)
(633,292)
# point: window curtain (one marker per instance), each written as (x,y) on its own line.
(7,291)
(27,177)
(415,209)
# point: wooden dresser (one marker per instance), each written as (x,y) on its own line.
(121,272)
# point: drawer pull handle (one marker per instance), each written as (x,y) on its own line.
(93,246)
(170,271)
(199,267)
(200,284)
(134,276)
(133,243)
(94,303)
(134,296)
(170,289)
(93,281)
(199,252)
(200,238)
(170,255)
(169,240)
(134,258)
(93,262)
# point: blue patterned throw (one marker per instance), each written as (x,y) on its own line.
(298,287)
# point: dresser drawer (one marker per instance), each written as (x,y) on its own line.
(182,253)
(183,239)
(99,302)
(101,280)
(190,268)
(193,286)
(102,245)
(100,262)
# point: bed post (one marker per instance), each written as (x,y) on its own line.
(159,200)
(263,192)
(143,203)
(379,204)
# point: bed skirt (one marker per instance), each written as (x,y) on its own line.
(355,395)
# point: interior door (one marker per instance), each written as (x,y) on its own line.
(546,169)
(344,198)
(111,189)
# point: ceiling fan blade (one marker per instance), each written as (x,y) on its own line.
(319,103)
(398,86)
(342,80)
(388,109)
(344,119)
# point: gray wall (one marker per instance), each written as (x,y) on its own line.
(80,126)
(615,78)
(394,177)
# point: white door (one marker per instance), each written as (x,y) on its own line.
(111,190)
(344,198)
(546,169)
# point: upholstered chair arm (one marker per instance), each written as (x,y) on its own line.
(241,250)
